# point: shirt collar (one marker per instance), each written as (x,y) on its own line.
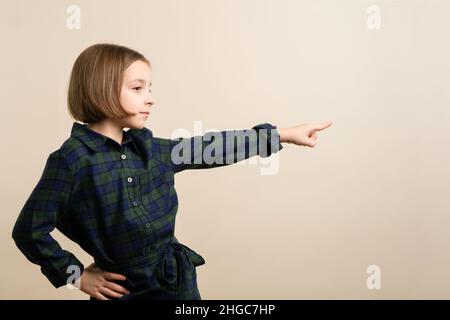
(95,140)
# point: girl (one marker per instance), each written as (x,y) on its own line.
(112,191)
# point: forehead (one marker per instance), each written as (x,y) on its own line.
(138,71)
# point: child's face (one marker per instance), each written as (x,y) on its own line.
(135,96)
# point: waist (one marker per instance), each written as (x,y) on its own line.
(149,257)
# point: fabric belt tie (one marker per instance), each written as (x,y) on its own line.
(173,250)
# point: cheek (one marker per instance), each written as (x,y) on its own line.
(128,102)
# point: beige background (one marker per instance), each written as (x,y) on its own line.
(374,191)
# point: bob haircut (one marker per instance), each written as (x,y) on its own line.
(96,82)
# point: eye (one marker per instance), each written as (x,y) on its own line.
(137,88)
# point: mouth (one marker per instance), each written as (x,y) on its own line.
(145,113)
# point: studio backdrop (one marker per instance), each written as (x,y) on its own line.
(364,215)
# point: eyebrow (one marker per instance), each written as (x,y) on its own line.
(140,80)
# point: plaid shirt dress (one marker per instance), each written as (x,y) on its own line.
(119,203)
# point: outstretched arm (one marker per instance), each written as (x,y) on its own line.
(219,148)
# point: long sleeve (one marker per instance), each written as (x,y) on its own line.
(39,216)
(217,149)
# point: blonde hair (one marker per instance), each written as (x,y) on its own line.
(96,81)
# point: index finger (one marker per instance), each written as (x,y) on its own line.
(323,125)
(114,276)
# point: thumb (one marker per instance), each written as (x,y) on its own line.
(310,143)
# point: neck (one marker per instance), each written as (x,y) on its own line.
(108,128)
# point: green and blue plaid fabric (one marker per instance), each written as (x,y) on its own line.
(119,203)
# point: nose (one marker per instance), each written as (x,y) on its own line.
(150,101)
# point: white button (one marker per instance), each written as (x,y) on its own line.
(130,179)
(123,156)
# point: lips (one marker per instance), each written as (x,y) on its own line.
(145,113)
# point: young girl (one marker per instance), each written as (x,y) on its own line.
(112,191)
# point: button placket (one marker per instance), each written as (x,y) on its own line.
(133,194)
(130,180)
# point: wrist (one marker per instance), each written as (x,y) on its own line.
(284,135)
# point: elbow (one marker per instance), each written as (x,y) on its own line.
(17,233)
